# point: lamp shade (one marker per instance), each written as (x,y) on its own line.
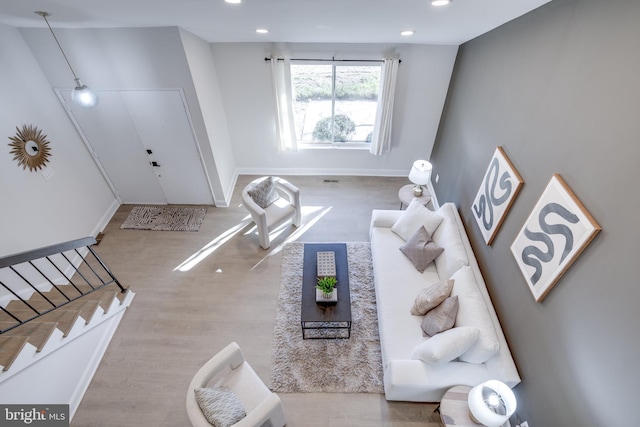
(491,403)
(84,96)
(420,173)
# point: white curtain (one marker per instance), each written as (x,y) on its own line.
(285,129)
(381,139)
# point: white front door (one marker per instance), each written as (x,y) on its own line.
(145,143)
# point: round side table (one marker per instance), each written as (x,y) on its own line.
(406,195)
(454,408)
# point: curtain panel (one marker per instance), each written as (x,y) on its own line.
(283,93)
(381,138)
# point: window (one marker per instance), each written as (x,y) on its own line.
(333,104)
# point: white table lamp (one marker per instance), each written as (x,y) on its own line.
(420,174)
(491,403)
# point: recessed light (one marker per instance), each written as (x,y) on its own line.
(407,33)
(262,30)
(233,1)
(440,2)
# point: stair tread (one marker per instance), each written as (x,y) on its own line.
(65,318)
(88,309)
(38,333)
(10,347)
(84,306)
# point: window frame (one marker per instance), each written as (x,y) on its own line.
(332,145)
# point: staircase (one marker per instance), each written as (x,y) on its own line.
(49,330)
(61,303)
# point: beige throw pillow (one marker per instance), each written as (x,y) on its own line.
(431,296)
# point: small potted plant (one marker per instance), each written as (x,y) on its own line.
(326,290)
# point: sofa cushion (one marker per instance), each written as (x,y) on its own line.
(431,297)
(447,236)
(220,405)
(397,283)
(473,312)
(415,217)
(447,345)
(421,250)
(264,193)
(441,318)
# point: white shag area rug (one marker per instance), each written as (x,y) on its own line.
(351,365)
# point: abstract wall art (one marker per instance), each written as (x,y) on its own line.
(558,229)
(498,190)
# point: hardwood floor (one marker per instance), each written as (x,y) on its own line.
(179,319)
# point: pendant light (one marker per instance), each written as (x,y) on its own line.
(82,94)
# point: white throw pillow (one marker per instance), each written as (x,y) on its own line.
(473,312)
(447,345)
(447,236)
(413,218)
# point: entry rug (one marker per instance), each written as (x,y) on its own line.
(164,218)
(351,365)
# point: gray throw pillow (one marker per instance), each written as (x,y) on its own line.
(264,193)
(441,318)
(220,405)
(421,250)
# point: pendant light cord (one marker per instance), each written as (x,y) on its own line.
(44,15)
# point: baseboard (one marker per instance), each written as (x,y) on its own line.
(228,193)
(102,223)
(321,171)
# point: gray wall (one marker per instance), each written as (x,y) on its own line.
(558,89)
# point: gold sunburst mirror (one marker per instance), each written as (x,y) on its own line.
(30,147)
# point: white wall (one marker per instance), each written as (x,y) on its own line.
(203,73)
(76,202)
(245,83)
(121,59)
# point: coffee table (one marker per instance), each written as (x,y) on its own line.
(325,321)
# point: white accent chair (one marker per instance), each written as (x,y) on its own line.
(262,406)
(276,214)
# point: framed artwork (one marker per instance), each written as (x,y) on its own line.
(498,190)
(558,229)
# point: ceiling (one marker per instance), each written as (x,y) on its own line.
(288,21)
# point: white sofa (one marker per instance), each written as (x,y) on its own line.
(397,284)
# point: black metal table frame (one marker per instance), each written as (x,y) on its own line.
(305,327)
